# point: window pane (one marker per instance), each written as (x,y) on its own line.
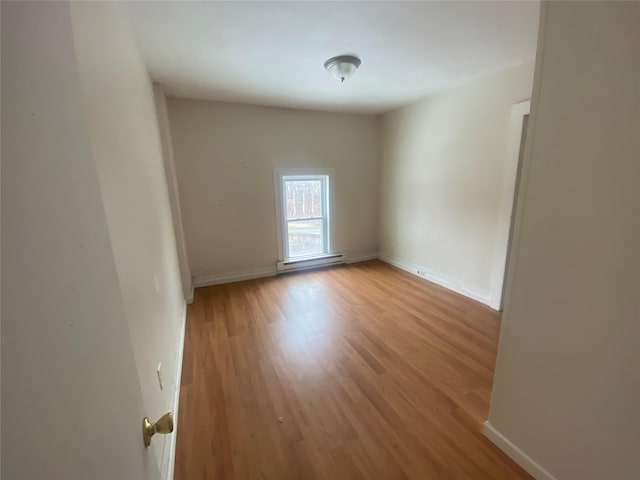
(305,237)
(303,198)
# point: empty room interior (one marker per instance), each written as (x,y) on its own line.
(320,240)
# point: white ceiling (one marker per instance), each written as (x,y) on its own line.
(272,53)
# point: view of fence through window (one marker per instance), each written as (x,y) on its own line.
(305,210)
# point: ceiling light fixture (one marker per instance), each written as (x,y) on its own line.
(342,66)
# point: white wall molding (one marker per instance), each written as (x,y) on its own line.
(435,277)
(170,452)
(168,156)
(236,276)
(361,257)
(190,295)
(517,455)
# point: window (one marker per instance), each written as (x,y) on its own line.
(303,201)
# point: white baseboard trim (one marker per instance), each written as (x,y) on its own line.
(190,296)
(361,257)
(517,455)
(440,279)
(237,276)
(169,466)
(495,302)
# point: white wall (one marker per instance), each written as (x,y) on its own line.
(127,150)
(225,155)
(567,382)
(71,400)
(443,162)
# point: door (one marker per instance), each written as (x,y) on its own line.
(71,400)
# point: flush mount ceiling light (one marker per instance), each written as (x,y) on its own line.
(342,66)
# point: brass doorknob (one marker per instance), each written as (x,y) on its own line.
(164,426)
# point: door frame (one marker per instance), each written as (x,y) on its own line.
(508,201)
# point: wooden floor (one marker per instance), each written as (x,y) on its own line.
(353,372)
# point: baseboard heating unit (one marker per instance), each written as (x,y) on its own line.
(313,262)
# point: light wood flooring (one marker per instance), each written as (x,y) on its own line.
(354,372)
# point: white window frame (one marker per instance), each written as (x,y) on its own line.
(279,176)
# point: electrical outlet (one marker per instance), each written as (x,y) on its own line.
(159,373)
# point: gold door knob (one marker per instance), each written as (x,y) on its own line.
(164,426)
